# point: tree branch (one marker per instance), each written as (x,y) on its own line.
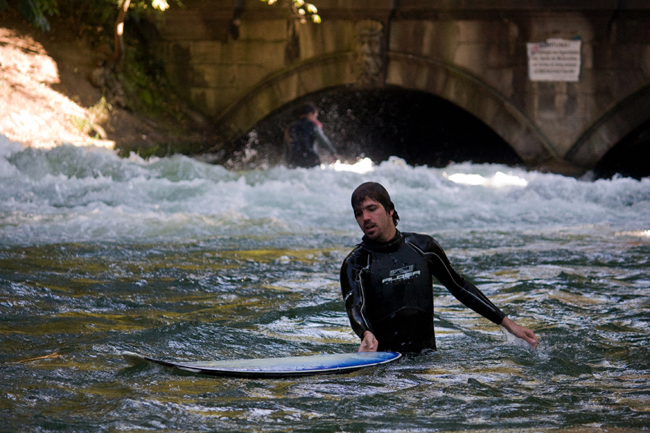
(119,33)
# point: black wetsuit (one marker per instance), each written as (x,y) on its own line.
(387,288)
(301,137)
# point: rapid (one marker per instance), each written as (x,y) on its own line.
(180,259)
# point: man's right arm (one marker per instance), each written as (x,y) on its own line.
(353,296)
(287,144)
(322,139)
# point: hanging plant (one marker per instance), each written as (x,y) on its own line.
(302,10)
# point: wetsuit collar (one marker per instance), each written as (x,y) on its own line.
(384,247)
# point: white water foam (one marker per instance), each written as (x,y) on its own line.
(72,194)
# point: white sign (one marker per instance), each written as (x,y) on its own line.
(554,60)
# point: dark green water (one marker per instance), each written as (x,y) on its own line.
(68,310)
(195,263)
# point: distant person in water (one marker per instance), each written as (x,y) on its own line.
(386,281)
(301,136)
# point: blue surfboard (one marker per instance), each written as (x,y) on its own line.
(275,367)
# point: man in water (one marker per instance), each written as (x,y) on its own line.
(387,281)
(301,136)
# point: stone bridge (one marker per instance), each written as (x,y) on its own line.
(238,61)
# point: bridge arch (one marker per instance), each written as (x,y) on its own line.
(470,93)
(284,86)
(610,129)
(403,70)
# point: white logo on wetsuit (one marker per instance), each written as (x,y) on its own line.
(402,274)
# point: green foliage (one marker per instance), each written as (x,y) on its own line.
(82,123)
(34,11)
(301,10)
(143,78)
(103,11)
(97,114)
(99,111)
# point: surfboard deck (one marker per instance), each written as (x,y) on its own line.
(275,367)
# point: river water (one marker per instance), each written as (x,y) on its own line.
(184,260)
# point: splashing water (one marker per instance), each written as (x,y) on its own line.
(185,260)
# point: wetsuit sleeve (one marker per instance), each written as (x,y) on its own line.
(464,291)
(287,144)
(322,139)
(353,296)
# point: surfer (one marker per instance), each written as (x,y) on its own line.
(387,281)
(301,136)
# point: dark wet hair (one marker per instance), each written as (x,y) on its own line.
(307,108)
(376,192)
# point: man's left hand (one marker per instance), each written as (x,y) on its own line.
(521,332)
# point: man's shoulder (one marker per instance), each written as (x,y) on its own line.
(356,251)
(424,242)
(356,256)
(305,123)
(417,237)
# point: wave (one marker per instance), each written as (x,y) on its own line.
(74,194)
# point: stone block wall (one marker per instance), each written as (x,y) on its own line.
(471,53)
